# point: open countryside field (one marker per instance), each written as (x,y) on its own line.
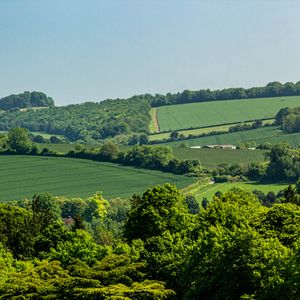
(204,130)
(208,191)
(212,157)
(255,136)
(193,115)
(24,176)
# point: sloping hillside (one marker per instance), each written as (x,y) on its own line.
(87,121)
(193,115)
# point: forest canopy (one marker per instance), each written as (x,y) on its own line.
(26,100)
(152,247)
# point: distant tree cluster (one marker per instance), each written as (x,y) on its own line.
(241,127)
(51,140)
(26,100)
(272,89)
(89,122)
(148,157)
(288,119)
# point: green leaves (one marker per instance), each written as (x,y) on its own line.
(160,209)
(19,141)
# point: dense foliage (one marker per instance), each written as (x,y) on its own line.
(26,100)
(152,249)
(88,121)
(289,119)
(272,89)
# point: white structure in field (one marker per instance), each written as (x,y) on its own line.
(231,147)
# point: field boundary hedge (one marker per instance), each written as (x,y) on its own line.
(211,126)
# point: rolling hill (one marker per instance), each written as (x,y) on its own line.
(206,114)
(25,176)
(255,137)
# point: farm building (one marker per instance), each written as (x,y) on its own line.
(195,147)
(232,147)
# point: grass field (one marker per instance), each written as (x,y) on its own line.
(208,191)
(198,131)
(23,176)
(175,117)
(213,157)
(256,136)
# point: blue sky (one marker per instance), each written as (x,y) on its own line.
(90,50)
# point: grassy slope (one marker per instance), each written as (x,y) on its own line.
(208,191)
(208,157)
(198,131)
(23,176)
(203,114)
(213,157)
(261,135)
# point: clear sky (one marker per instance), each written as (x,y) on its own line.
(82,50)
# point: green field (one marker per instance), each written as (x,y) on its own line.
(208,191)
(213,157)
(255,136)
(193,115)
(198,131)
(23,176)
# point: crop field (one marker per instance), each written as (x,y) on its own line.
(24,176)
(193,115)
(208,191)
(198,131)
(212,157)
(256,136)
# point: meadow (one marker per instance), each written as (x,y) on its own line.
(25,176)
(254,137)
(208,191)
(203,130)
(193,115)
(212,157)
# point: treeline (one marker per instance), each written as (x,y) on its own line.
(272,89)
(88,122)
(288,119)
(282,162)
(157,247)
(148,157)
(177,136)
(157,158)
(26,100)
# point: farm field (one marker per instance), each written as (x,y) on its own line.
(256,136)
(212,157)
(193,115)
(24,176)
(198,131)
(208,191)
